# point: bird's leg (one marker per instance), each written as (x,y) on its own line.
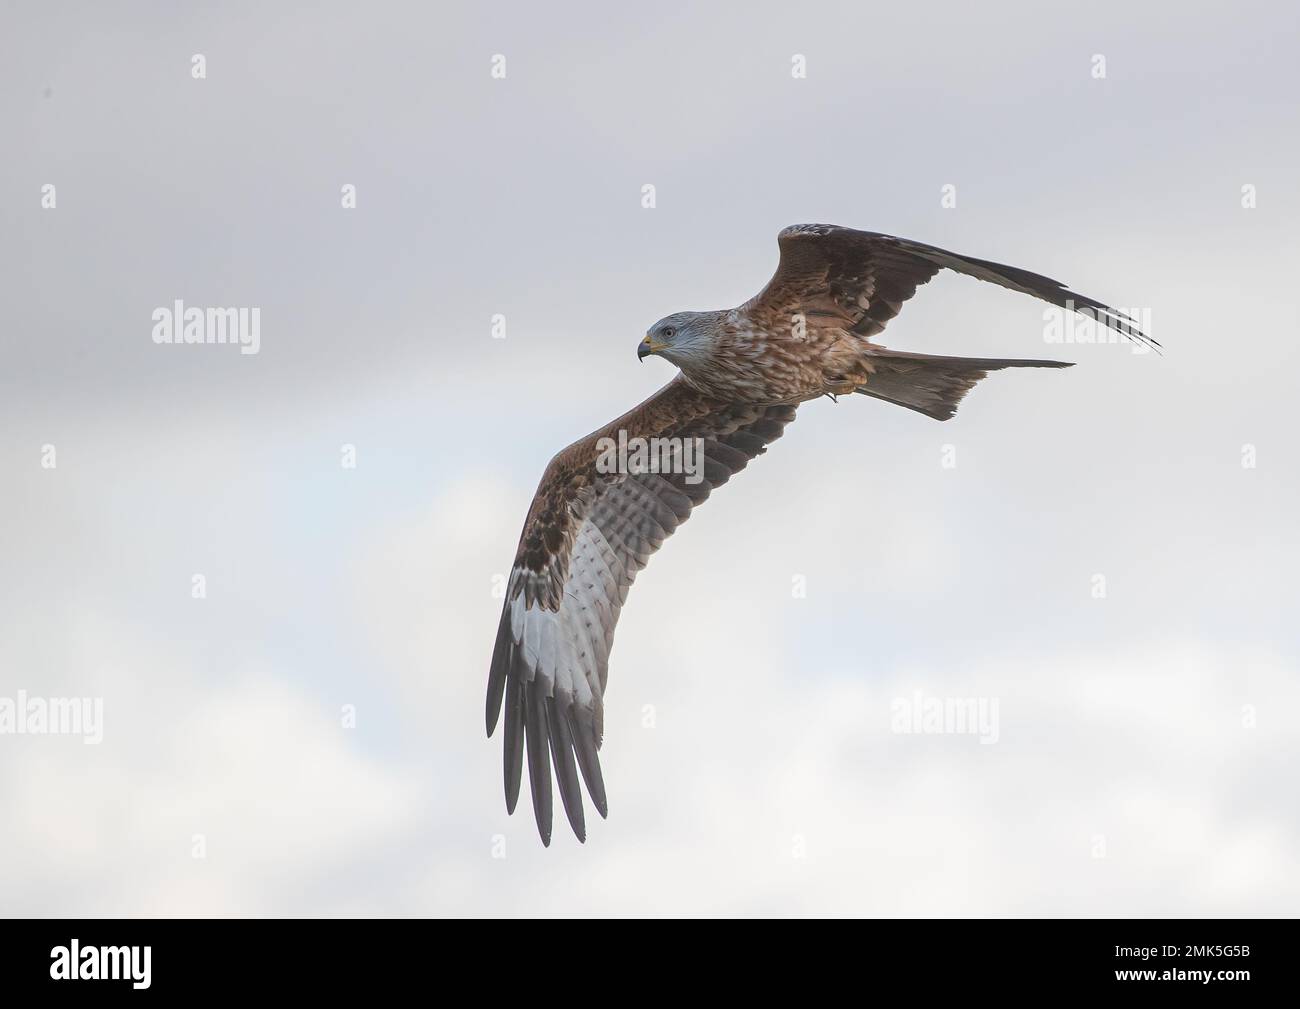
(838,386)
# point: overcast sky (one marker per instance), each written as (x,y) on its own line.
(1147,740)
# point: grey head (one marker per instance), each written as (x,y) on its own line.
(685,338)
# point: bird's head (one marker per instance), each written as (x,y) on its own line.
(684,338)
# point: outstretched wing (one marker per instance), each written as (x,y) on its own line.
(859,280)
(589,531)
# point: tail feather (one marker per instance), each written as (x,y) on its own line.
(930,384)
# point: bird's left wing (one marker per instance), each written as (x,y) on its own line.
(860,279)
(592,526)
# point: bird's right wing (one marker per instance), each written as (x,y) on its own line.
(588,532)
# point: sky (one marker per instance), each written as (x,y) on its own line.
(275,572)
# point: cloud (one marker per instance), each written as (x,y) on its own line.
(748,779)
(257,778)
(749,759)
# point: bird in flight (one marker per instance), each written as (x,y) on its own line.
(598,515)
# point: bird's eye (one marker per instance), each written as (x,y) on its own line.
(669,332)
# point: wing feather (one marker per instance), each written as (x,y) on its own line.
(860,279)
(566,765)
(587,536)
(514,736)
(536,734)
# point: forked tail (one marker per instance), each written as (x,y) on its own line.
(933,385)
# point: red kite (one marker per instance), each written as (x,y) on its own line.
(597,517)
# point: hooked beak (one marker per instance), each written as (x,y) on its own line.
(648,347)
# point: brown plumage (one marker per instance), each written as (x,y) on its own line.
(592,525)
